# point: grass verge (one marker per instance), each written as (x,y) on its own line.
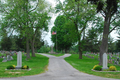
(86,64)
(57,55)
(37,64)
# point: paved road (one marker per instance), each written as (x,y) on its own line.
(59,69)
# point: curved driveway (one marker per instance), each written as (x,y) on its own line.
(59,69)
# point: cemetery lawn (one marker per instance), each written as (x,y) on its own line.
(86,64)
(57,55)
(37,64)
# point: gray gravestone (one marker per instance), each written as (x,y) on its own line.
(19,60)
(11,58)
(4,59)
(8,58)
(117,60)
(105,61)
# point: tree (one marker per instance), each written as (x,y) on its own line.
(108,9)
(92,37)
(61,43)
(27,20)
(79,13)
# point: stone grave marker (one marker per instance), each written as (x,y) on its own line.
(118,60)
(8,58)
(4,59)
(19,60)
(110,58)
(104,61)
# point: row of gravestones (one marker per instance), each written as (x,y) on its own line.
(9,58)
(115,61)
(9,55)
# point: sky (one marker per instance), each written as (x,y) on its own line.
(46,36)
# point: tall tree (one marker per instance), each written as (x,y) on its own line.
(79,13)
(61,43)
(108,9)
(21,13)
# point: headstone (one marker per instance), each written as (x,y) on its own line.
(4,59)
(110,59)
(19,60)
(12,53)
(117,60)
(104,61)
(8,58)
(11,58)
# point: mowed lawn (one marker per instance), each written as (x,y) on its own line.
(86,64)
(37,64)
(57,55)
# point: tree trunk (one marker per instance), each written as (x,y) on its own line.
(27,48)
(79,49)
(104,44)
(32,47)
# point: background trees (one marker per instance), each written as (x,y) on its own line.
(79,14)
(61,43)
(27,19)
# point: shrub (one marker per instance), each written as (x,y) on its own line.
(112,68)
(25,67)
(44,49)
(11,67)
(97,67)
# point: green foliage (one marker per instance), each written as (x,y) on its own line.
(44,49)
(11,67)
(97,67)
(72,52)
(59,27)
(25,67)
(112,68)
(78,14)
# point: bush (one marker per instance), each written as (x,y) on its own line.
(112,68)
(44,49)
(97,67)
(72,52)
(25,67)
(11,67)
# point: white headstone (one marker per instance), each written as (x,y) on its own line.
(105,61)
(19,60)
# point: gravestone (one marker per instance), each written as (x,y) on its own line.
(4,59)
(19,60)
(117,60)
(8,58)
(104,61)
(110,59)
(12,53)
(11,58)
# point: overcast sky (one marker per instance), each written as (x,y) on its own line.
(47,36)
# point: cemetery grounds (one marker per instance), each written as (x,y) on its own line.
(89,61)
(37,65)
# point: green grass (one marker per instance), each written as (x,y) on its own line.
(37,64)
(57,55)
(86,64)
